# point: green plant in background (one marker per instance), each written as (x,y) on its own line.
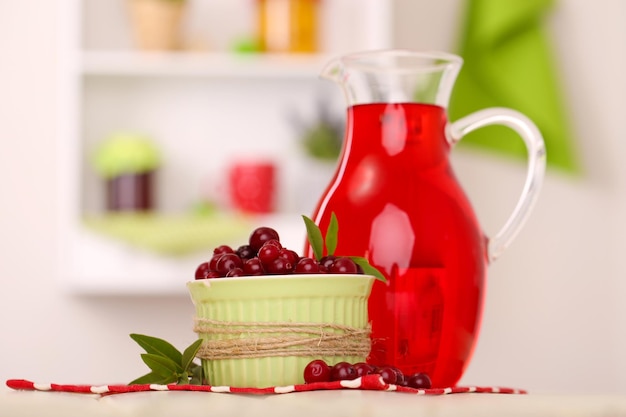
(322,140)
(246,45)
(126,153)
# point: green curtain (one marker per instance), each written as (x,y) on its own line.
(508,63)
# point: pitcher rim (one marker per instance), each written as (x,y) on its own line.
(448,59)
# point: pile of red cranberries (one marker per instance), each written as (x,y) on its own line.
(265,255)
(320,371)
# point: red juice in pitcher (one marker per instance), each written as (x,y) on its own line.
(399,204)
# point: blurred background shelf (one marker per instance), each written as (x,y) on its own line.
(205,106)
(202,64)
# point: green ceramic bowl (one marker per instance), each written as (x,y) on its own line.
(262,331)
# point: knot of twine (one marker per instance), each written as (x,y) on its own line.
(263,339)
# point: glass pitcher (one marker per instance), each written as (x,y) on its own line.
(399,204)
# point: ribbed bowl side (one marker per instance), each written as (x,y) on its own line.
(348,308)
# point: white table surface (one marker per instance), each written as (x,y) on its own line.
(344,403)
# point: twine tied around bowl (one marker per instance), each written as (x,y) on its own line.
(241,340)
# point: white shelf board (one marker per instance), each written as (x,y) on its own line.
(177,64)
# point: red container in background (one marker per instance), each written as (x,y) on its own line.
(252,186)
(131,192)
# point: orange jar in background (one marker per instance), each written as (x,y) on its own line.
(288,25)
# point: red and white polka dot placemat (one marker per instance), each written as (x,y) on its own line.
(368,382)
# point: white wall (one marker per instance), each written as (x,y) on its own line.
(554,316)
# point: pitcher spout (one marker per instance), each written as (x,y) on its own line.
(394,76)
(332,70)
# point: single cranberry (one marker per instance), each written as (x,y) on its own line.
(253,266)
(213,274)
(389,375)
(274,242)
(245,252)
(404,382)
(268,253)
(363,369)
(227,262)
(343,265)
(327,261)
(307,266)
(261,235)
(419,380)
(289,255)
(400,377)
(203,270)
(222,249)
(317,371)
(342,371)
(235,272)
(213,261)
(278,267)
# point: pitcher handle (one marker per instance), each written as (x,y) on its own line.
(533,140)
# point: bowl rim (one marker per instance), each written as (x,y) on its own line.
(279,277)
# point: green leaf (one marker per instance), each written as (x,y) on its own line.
(161,365)
(153,378)
(197,374)
(190,353)
(183,379)
(332,234)
(167,364)
(367,268)
(314,235)
(157,346)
